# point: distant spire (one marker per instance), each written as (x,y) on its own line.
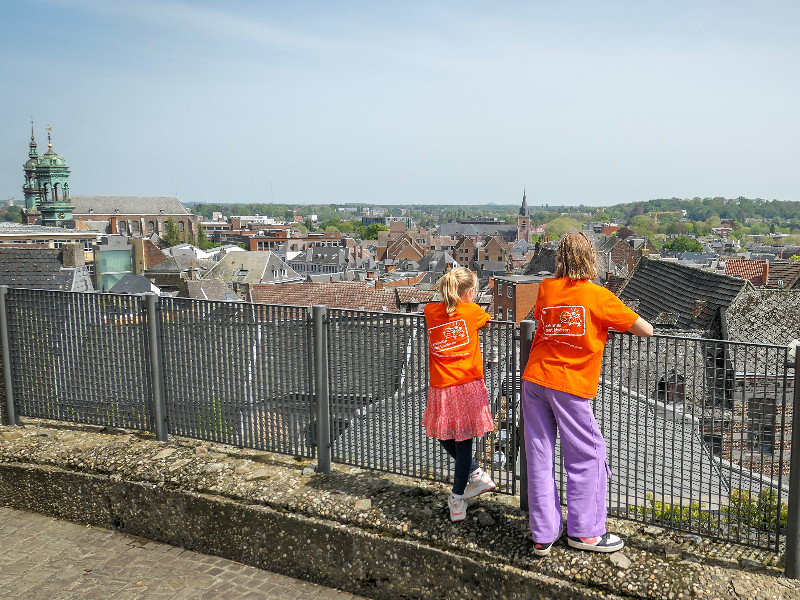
(32,152)
(523,210)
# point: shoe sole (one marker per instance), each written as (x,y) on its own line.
(596,548)
(478,493)
(458,518)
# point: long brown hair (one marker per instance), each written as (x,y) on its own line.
(575,257)
(454,283)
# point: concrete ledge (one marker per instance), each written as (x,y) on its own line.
(370,533)
(312,549)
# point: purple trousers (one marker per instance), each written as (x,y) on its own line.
(584,451)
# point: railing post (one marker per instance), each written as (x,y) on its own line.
(154,332)
(319,316)
(525,341)
(8,376)
(792,559)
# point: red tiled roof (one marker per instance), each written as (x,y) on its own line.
(745,268)
(407,295)
(343,294)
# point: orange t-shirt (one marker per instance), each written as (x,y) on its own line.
(454,351)
(574,319)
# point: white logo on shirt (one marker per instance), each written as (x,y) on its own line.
(448,336)
(564,320)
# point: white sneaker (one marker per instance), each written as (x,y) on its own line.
(458,508)
(608,542)
(478,483)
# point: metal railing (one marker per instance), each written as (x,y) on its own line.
(698,431)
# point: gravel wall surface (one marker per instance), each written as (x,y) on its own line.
(372,534)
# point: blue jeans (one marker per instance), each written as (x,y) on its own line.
(465,464)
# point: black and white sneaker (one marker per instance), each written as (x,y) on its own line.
(540,549)
(608,542)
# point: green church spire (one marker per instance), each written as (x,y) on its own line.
(47,185)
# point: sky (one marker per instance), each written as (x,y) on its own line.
(404,102)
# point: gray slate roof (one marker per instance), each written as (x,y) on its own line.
(694,295)
(544,261)
(767,316)
(134,284)
(473,229)
(128,205)
(253,267)
(207,289)
(436,261)
(40,268)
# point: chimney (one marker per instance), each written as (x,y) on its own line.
(192,272)
(72,256)
(765,276)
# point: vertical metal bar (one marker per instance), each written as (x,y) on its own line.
(8,379)
(319,318)
(526,341)
(792,569)
(159,410)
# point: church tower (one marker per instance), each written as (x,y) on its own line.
(47,186)
(524,220)
(30,190)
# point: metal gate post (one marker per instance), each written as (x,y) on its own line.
(792,559)
(8,376)
(157,369)
(526,329)
(319,316)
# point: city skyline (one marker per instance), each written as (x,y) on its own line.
(419,102)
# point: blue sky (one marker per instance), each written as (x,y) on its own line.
(406,102)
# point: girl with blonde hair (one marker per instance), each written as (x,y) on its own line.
(458,403)
(563,371)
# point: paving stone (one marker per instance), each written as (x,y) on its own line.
(66,561)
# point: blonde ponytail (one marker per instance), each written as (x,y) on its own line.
(453,284)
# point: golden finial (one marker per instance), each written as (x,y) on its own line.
(49,141)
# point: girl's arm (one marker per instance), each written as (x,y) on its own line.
(641,328)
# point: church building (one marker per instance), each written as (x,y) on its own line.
(48,202)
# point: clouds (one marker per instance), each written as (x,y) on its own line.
(412,102)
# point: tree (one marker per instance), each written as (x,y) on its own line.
(643,226)
(13,214)
(684,244)
(172,236)
(561,225)
(202,239)
(371,232)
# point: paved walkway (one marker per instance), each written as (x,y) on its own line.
(42,558)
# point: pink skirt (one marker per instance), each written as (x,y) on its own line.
(458,412)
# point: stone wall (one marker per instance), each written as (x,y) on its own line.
(322,551)
(3,411)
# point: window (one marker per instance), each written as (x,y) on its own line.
(510,315)
(135,227)
(123,227)
(499,289)
(499,313)
(181,226)
(151,227)
(510,287)
(761,424)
